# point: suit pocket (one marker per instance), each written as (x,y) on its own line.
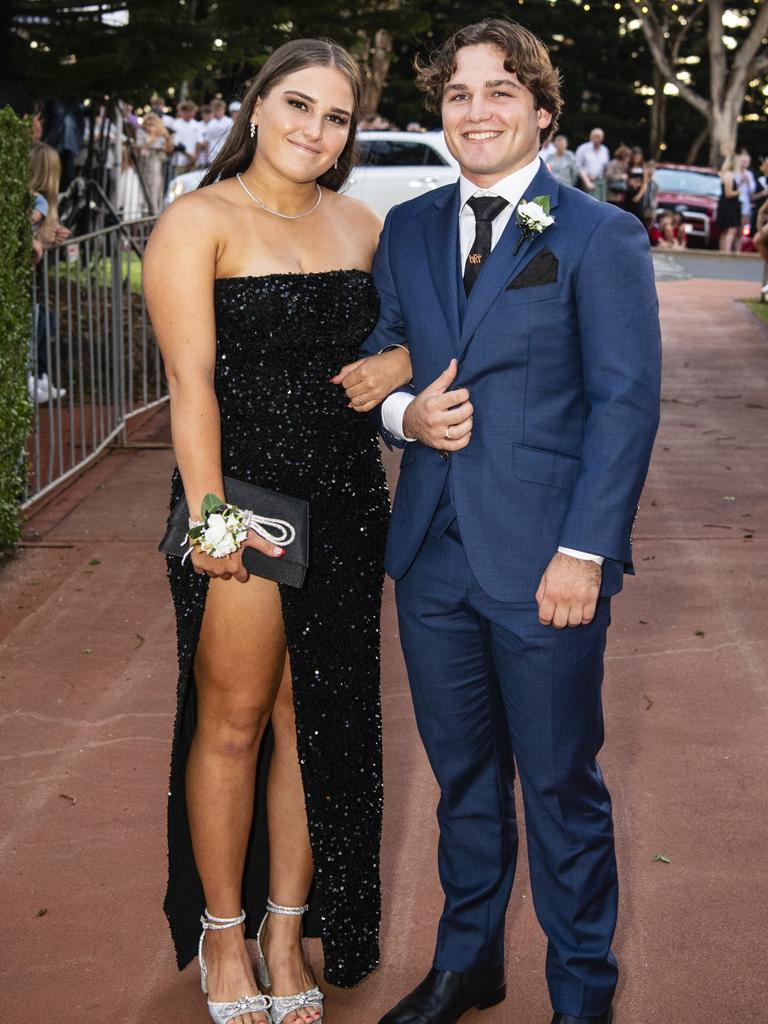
(533,293)
(538,466)
(541,270)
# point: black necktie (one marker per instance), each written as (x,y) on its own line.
(485,209)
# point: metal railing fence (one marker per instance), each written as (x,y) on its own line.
(94,363)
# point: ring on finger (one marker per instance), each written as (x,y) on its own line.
(447,434)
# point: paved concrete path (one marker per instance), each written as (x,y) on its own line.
(87,673)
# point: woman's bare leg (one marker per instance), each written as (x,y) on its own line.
(238,667)
(290,858)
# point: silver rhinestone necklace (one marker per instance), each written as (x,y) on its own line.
(285,216)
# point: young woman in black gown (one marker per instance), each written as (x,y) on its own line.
(259,289)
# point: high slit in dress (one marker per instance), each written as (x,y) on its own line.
(280,338)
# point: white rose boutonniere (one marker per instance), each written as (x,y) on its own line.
(533,218)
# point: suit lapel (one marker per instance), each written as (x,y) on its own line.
(503,261)
(441,231)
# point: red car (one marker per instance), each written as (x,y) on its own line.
(694,193)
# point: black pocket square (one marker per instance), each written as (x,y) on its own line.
(541,270)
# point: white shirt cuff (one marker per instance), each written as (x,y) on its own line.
(392,412)
(583,555)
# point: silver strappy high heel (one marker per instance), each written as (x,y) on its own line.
(283,1005)
(223,1013)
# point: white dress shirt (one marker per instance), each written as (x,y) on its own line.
(512,188)
(190,135)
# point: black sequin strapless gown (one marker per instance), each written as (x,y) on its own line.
(284,426)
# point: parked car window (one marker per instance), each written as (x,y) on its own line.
(397,153)
(695,183)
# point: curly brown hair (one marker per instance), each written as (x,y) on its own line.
(524,55)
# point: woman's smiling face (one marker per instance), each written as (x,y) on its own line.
(303,122)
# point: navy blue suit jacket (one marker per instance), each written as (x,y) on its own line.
(563,370)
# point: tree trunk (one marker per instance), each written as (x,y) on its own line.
(724,127)
(375,70)
(658,116)
(698,142)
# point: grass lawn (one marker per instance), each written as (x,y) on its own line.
(101,270)
(760,309)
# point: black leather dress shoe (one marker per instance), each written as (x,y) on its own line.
(444,996)
(566,1018)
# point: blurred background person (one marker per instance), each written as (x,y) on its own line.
(155,146)
(157,106)
(562,162)
(637,183)
(44,184)
(760,196)
(592,158)
(729,206)
(747,187)
(761,240)
(668,232)
(215,131)
(616,176)
(64,129)
(651,194)
(187,137)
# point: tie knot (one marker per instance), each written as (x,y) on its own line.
(487,208)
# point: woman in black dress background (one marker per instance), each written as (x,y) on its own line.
(259,291)
(729,206)
(637,183)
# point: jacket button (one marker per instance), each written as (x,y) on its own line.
(445,455)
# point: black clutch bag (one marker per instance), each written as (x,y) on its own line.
(290,568)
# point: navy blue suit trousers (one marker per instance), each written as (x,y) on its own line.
(493,688)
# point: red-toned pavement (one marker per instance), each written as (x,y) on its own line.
(88,682)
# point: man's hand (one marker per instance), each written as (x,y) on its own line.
(568,592)
(368,381)
(440,418)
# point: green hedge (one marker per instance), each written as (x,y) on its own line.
(15,318)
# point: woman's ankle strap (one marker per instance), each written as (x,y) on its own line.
(276,908)
(218,924)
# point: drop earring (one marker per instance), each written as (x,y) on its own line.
(253,130)
(336,166)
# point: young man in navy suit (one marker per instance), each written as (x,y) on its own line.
(531,316)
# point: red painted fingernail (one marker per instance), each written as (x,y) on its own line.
(279,551)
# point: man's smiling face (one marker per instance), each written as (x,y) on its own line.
(490,120)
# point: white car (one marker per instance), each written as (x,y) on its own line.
(394,166)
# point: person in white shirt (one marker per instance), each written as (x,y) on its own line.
(215,131)
(157,106)
(187,137)
(592,158)
(747,186)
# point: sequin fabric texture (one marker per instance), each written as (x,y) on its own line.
(284,426)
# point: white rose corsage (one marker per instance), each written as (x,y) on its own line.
(533,218)
(224,527)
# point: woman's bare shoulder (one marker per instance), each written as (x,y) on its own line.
(358,216)
(198,210)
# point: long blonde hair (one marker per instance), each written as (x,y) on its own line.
(44,178)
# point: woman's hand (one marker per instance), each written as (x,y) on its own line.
(232,565)
(368,381)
